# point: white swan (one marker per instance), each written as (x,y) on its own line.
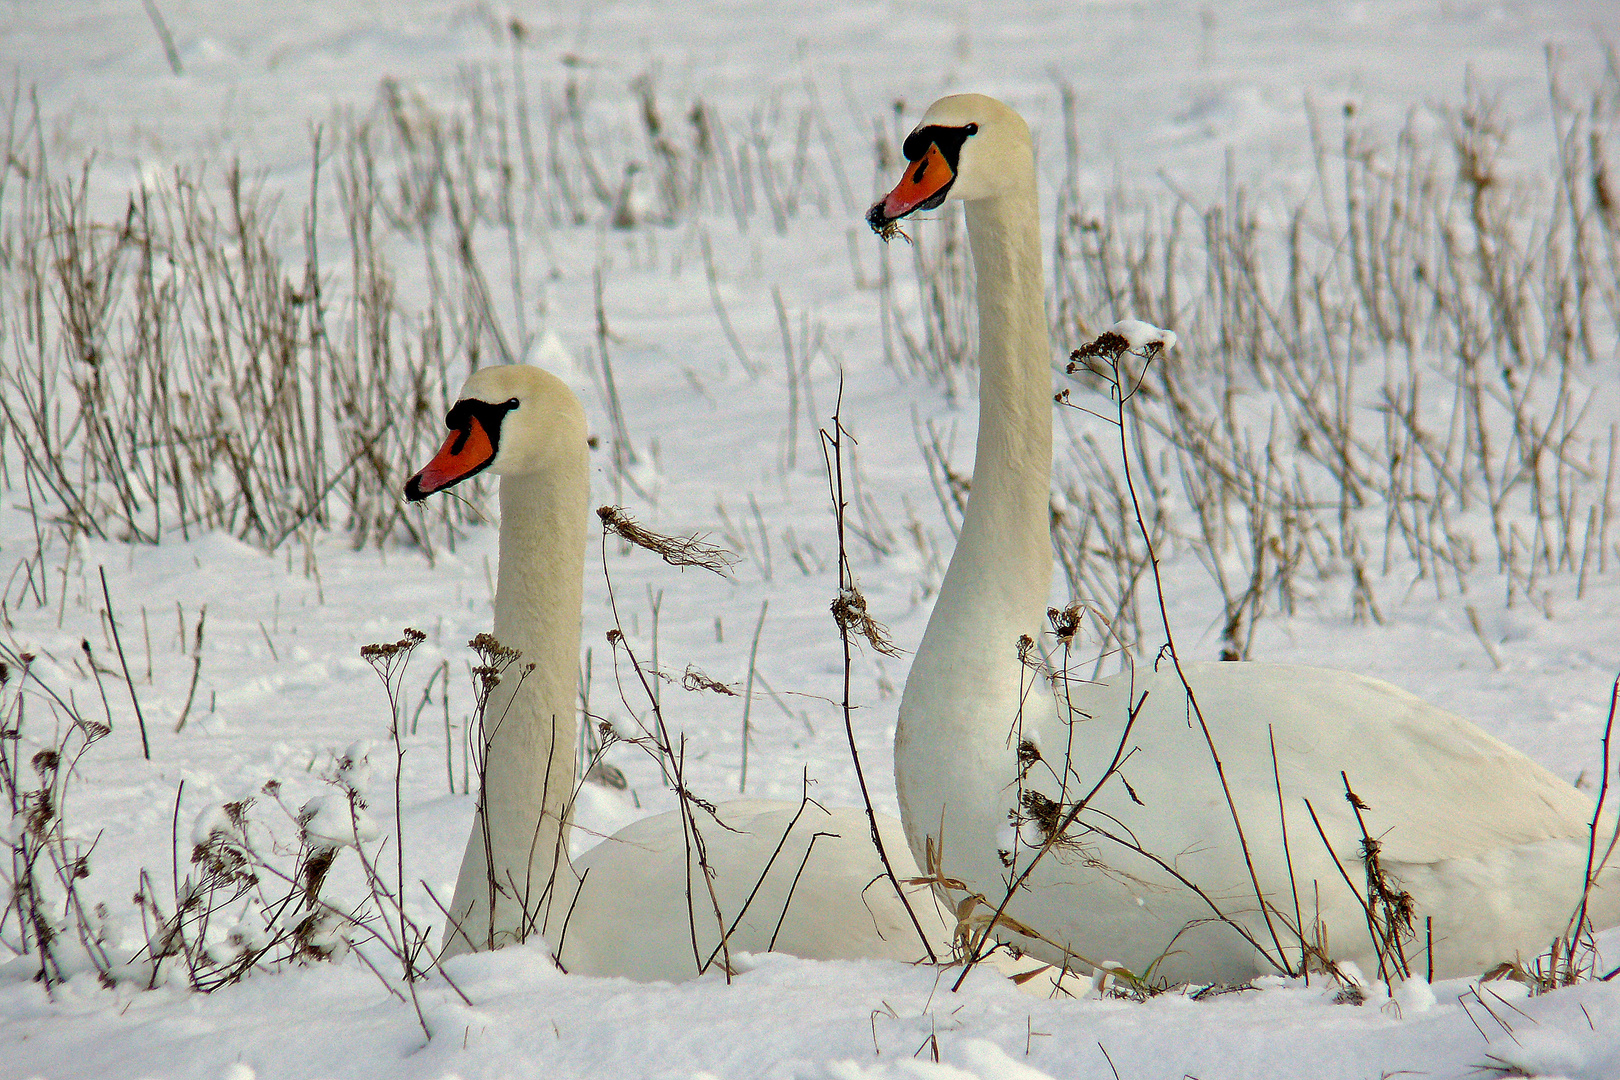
(1490,846)
(630,915)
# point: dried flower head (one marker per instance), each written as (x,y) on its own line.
(491,651)
(1108,347)
(1065,622)
(1045,813)
(93,730)
(380,656)
(888,230)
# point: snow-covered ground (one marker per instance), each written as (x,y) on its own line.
(1172,97)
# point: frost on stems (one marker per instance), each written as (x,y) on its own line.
(245,906)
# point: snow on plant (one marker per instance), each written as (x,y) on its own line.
(236,910)
(45,916)
(244,904)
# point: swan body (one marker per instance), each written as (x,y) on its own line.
(1489,845)
(840,909)
(622,907)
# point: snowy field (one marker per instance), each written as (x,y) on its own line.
(708,335)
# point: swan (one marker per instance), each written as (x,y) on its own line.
(622,907)
(1490,847)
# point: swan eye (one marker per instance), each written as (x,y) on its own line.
(488,414)
(948,140)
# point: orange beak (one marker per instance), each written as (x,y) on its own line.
(922,187)
(463,454)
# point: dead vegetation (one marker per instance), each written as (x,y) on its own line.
(1381,388)
(240,899)
(203,353)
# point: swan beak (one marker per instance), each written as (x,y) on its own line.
(923,187)
(464,453)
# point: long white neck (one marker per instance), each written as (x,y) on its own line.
(521,826)
(1002,568)
(1001,573)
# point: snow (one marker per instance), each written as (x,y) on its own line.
(1175,97)
(785,1018)
(329,821)
(1139,335)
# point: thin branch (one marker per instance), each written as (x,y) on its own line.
(832,454)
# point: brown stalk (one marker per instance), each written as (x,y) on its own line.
(1121,396)
(832,454)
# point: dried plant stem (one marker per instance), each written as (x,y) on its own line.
(1580,923)
(675,550)
(832,445)
(1121,396)
(196,667)
(140,718)
(1366,909)
(976,950)
(804,801)
(748,695)
(672,758)
(167,39)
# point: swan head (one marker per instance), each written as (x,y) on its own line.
(967,146)
(510,419)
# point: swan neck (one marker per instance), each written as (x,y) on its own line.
(520,828)
(966,682)
(530,725)
(1005,538)
(1015,370)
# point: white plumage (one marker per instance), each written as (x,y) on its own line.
(1489,845)
(630,917)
